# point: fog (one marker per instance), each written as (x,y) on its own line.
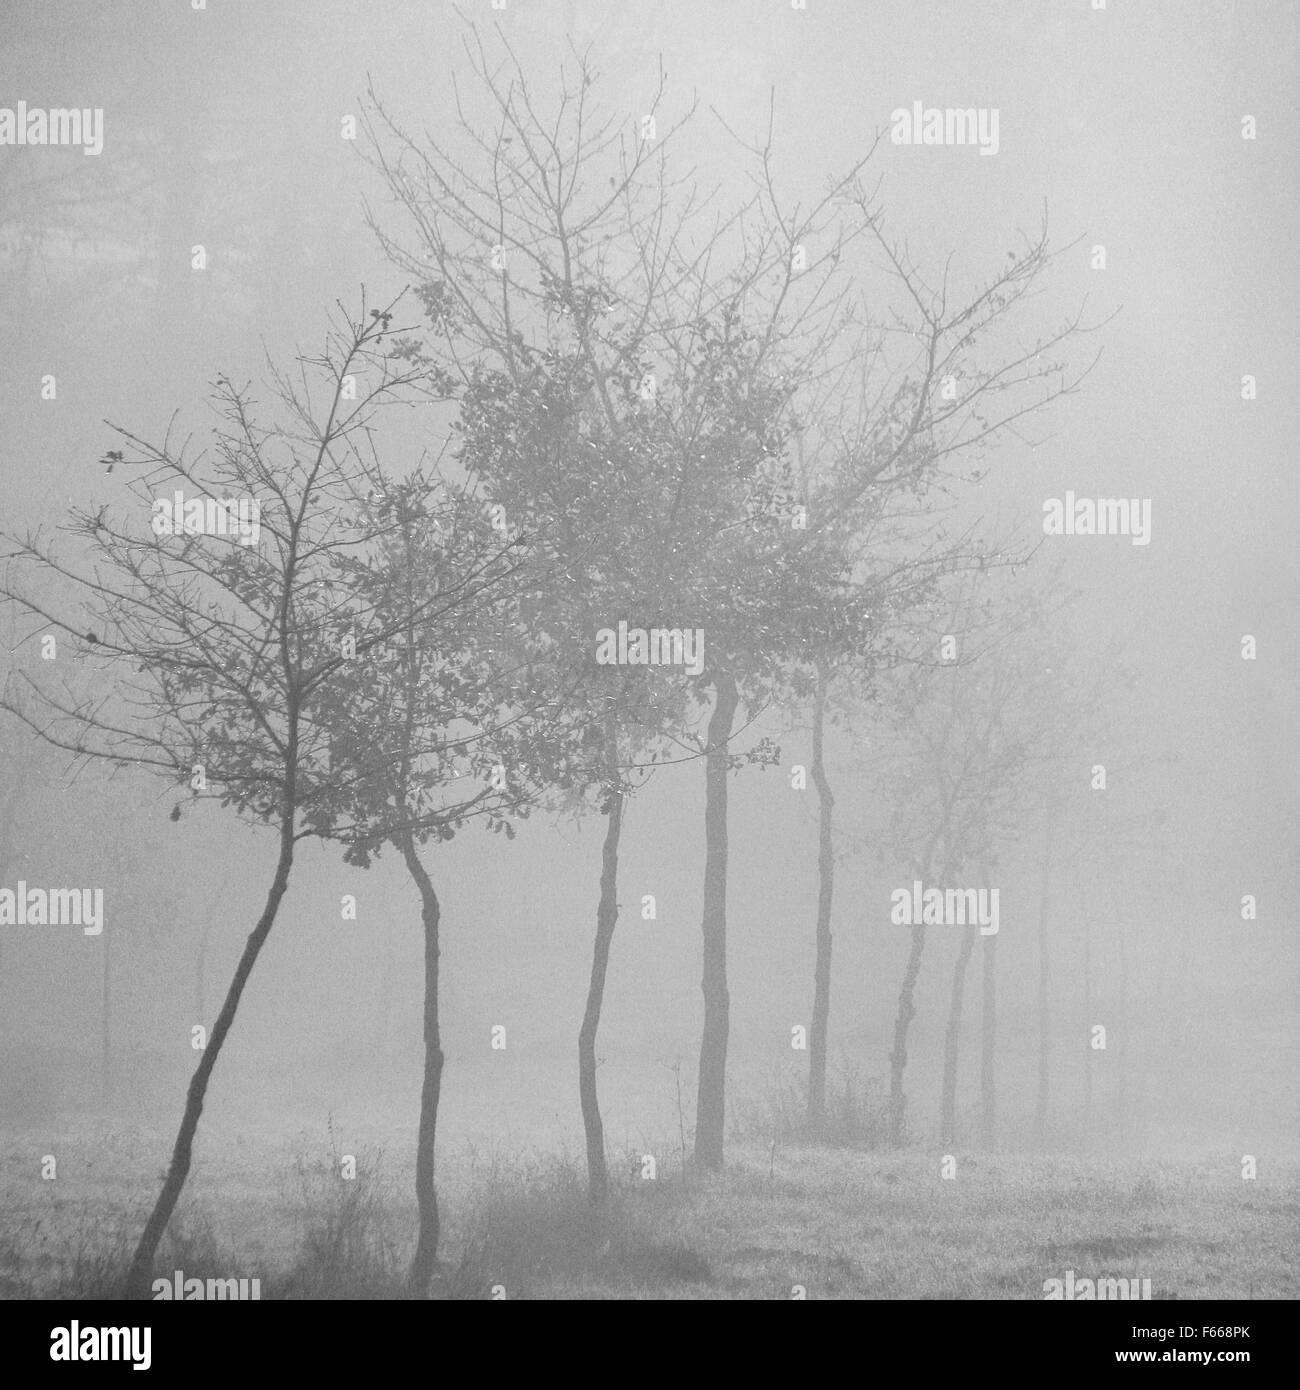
(1165,894)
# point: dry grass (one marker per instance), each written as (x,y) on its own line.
(835,1222)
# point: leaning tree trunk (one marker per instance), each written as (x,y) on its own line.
(426,1195)
(907,1008)
(821,1010)
(951,1043)
(140,1273)
(606,918)
(902,1021)
(988,1039)
(1044,1008)
(710,1111)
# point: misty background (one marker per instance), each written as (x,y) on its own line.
(222,127)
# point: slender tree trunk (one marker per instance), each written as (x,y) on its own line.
(988,1040)
(1044,1006)
(140,1272)
(952,1041)
(902,1021)
(907,1005)
(426,1195)
(710,1111)
(821,1011)
(606,918)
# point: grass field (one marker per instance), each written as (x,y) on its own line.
(834,1222)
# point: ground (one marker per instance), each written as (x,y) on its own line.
(832,1222)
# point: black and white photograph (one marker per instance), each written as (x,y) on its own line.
(645,658)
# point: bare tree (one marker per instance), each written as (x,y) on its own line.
(201,656)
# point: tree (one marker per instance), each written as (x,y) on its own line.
(561,312)
(948,729)
(890,579)
(885,432)
(978,738)
(583,484)
(202,656)
(439,727)
(1005,681)
(1062,708)
(1088,721)
(527,220)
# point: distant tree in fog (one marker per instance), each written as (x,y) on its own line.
(1079,710)
(1020,681)
(936,732)
(883,436)
(881,571)
(21,761)
(977,736)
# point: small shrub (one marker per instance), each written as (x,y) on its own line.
(857,1111)
(349,1248)
(536,1222)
